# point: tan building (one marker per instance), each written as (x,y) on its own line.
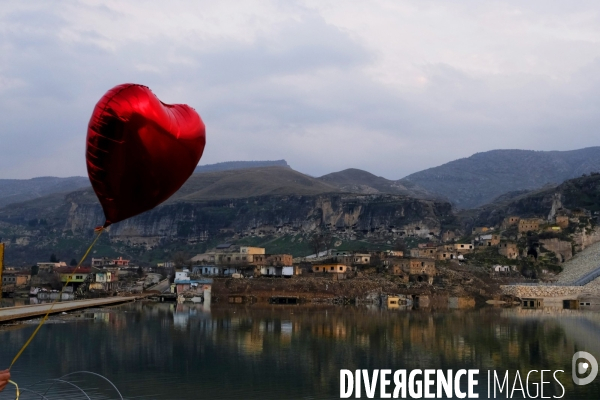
(510,221)
(529,224)
(393,253)
(15,278)
(562,221)
(50,266)
(463,248)
(278,259)
(422,266)
(489,240)
(509,250)
(226,254)
(330,268)
(400,266)
(448,236)
(443,255)
(353,259)
(427,252)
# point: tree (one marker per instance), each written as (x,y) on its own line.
(140,272)
(320,242)
(53,258)
(400,245)
(181,259)
(73,262)
(34,270)
(316,244)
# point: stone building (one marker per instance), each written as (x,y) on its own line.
(426,252)
(562,221)
(511,220)
(422,266)
(529,224)
(509,250)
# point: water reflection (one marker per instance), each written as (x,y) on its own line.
(196,351)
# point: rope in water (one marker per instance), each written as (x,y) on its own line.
(45,318)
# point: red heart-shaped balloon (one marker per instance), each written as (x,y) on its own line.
(139,150)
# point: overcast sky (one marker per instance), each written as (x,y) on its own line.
(387,86)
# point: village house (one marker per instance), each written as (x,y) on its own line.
(509,250)
(207,270)
(401,268)
(562,221)
(393,253)
(105,280)
(463,248)
(425,252)
(75,276)
(510,221)
(529,224)
(106,262)
(422,266)
(184,283)
(16,278)
(227,254)
(446,255)
(348,258)
(50,266)
(448,236)
(488,240)
(500,268)
(420,269)
(336,271)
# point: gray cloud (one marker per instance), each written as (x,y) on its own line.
(307,84)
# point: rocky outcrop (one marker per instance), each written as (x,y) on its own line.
(346,216)
(561,248)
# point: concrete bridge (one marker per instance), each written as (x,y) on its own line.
(8,314)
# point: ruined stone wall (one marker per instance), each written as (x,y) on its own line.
(543,291)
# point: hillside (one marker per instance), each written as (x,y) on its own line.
(229,165)
(479,179)
(358,181)
(18,190)
(578,193)
(196,219)
(252,182)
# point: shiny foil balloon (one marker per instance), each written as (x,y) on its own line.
(139,150)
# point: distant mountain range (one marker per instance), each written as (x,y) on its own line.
(358,181)
(479,179)
(250,182)
(230,165)
(467,183)
(18,190)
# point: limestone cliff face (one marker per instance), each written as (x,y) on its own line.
(344,215)
(561,248)
(65,223)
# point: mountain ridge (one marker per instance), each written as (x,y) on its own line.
(476,180)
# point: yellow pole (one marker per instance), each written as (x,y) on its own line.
(1,266)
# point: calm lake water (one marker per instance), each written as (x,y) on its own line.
(168,351)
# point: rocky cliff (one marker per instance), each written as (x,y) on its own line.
(38,228)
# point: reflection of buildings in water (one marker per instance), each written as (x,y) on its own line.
(183,312)
(423,334)
(581,327)
(101,317)
(251,343)
(287,328)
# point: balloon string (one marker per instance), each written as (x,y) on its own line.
(16,389)
(99,232)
